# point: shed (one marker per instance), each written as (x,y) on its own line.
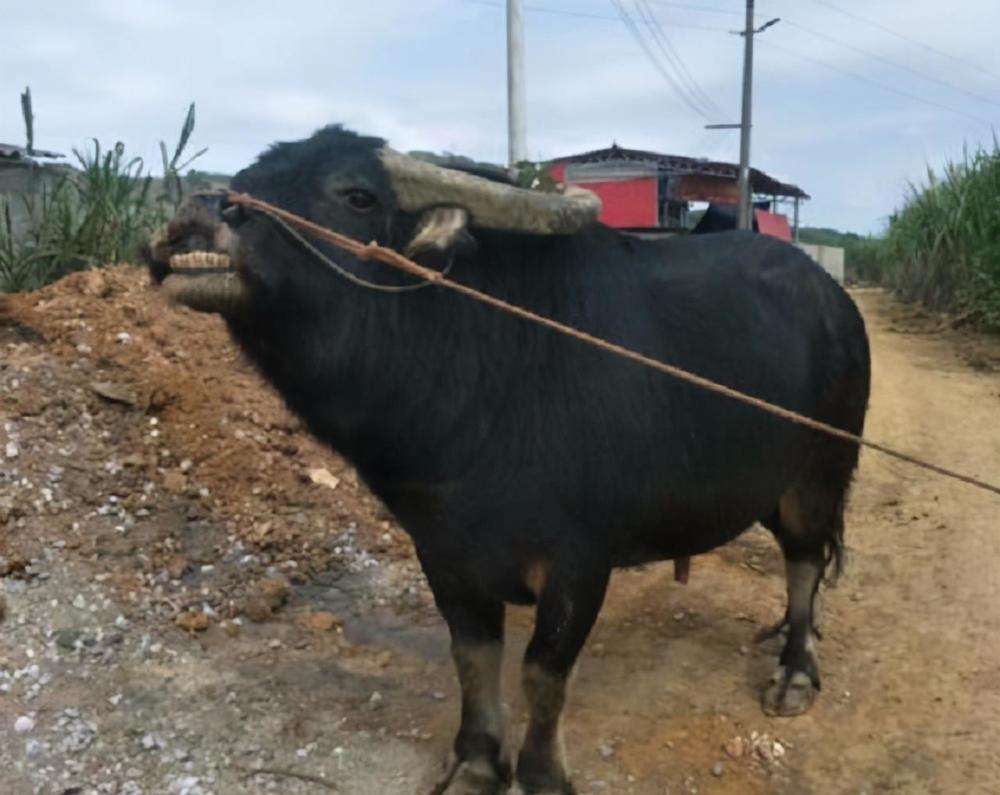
(649,192)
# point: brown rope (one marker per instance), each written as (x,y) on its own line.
(393,258)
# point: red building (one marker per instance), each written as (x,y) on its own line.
(651,193)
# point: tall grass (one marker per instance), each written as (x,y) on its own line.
(943,246)
(173,182)
(863,259)
(99,213)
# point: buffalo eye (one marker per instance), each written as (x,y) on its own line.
(360,200)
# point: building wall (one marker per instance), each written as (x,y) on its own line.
(699,188)
(830,258)
(19,179)
(628,199)
(773,224)
(628,203)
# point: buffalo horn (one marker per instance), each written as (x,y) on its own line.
(494,205)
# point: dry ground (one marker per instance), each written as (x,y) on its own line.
(146,476)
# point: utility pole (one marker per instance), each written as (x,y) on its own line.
(746,192)
(517,147)
(745,220)
(29,120)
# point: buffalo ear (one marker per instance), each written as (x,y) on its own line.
(439,229)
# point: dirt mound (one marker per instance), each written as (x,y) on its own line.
(196,433)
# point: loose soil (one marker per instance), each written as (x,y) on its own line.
(198,598)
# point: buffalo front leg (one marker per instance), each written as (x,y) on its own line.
(568,605)
(478,764)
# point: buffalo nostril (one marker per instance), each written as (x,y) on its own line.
(233,214)
(213,201)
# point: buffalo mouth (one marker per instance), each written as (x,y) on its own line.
(192,259)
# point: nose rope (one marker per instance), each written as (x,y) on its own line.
(340,269)
(396,260)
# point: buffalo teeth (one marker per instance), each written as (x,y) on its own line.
(199,259)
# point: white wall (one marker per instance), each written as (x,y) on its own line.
(830,258)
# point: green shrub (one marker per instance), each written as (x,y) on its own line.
(22,267)
(943,246)
(100,213)
(863,259)
(173,183)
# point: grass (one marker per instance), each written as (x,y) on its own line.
(943,247)
(99,213)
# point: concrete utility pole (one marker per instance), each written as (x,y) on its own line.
(746,193)
(517,146)
(746,123)
(745,220)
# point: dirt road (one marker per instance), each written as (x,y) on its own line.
(124,505)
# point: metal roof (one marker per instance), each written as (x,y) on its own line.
(14,152)
(677,164)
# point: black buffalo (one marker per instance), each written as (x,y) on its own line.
(526,465)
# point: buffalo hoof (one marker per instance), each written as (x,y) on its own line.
(566,789)
(470,777)
(790,693)
(778,630)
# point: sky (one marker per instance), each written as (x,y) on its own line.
(850,111)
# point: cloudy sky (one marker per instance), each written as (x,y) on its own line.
(849,110)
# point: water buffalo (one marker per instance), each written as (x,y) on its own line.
(525,465)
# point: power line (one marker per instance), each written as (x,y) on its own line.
(702,9)
(774,45)
(898,35)
(894,64)
(660,38)
(670,52)
(840,42)
(877,84)
(630,24)
(581,14)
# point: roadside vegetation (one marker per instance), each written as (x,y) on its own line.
(861,254)
(943,246)
(98,212)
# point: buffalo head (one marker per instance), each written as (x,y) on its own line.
(352,184)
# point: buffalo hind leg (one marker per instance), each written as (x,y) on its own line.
(795,682)
(809,527)
(478,764)
(567,607)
